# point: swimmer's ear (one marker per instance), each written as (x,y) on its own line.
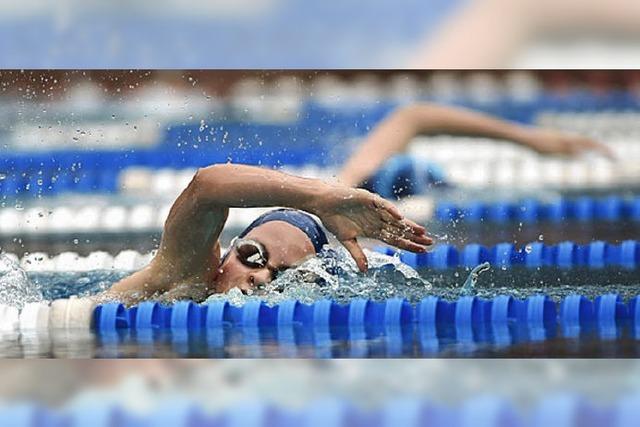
(356,252)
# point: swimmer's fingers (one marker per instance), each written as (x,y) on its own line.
(547,141)
(356,252)
(408,233)
(401,242)
(414,227)
(573,145)
(406,223)
(590,144)
(411,246)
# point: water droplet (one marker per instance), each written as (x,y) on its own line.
(541,237)
(528,249)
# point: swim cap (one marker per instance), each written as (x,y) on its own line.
(298,219)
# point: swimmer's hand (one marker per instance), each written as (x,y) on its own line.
(548,141)
(351,213)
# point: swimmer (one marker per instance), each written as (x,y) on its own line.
(394,133)
(189,263)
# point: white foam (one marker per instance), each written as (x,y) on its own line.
(11,257)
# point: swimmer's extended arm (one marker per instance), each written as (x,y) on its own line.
(190,237)
(346,212)
(395,132)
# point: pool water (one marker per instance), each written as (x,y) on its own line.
(333,275)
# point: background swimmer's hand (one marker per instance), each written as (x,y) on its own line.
(548,141)
(352,213)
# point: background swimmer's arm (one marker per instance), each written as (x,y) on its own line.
(395,132)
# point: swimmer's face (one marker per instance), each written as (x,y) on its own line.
(286,246)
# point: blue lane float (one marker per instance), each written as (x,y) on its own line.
(468,312)
(529,211)
(564,255)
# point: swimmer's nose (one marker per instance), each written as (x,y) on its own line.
(254,281)
(259,278)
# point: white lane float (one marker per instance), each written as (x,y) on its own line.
(72,313)
(66,261)
(37,261)
(35,317)
(9,318)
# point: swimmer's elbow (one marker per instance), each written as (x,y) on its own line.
(223,184)
(416,112)
(422,117)
(207,182)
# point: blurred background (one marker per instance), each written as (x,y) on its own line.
(162,387)
(330,34)
(309,393)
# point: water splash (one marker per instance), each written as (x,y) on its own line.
(16,289)
(469,285)
(333,274)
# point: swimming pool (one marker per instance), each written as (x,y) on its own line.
(83,209)
(544,300)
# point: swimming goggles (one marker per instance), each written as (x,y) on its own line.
(251,253)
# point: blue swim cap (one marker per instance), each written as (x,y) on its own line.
(298,219)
